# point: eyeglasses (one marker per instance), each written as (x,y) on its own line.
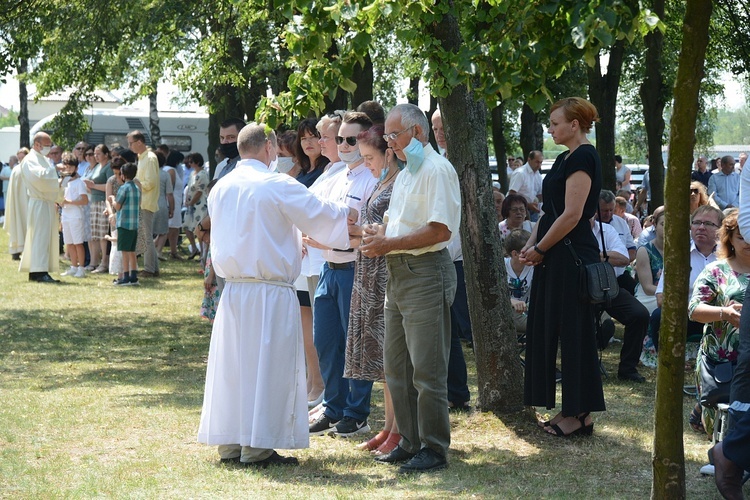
(706,223)
(351,140)
(79,148)
(89,154)
(694,191)
(394,135)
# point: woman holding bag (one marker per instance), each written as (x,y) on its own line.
(557,316)
(717,299)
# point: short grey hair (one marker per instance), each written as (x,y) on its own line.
(253,137)
(606,196)
(330,119)
(411,115)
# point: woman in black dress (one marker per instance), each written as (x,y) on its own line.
(557,311)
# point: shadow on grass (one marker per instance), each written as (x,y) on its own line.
(72,346)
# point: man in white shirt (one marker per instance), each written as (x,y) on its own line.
(425,212)
(527,181)
(704,226)
(625,308)
(346,402)
(725,184)
(607,213)
(256,397)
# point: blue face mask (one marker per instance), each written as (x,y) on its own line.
(414,155)
(383,174)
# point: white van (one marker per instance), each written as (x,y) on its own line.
(181,131)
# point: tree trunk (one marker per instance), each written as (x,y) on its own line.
(412,95)
(429,113)
(500,145)
(341,99)
(652,96)
(363,79)
(668,460)
(603,93)
(23,98)
(531,137)
(153,119)
(499,372)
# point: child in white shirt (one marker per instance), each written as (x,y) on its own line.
(73,219)
(519,276)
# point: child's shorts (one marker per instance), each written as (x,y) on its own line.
(73,232)
(126,239)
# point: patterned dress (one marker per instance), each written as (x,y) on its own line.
(718,285)
(210,297)
(656,262)
(196,213)
(364,340)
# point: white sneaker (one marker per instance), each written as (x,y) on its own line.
(70,272)
(81,273)
(707,470)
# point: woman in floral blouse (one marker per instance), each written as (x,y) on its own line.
(717,301)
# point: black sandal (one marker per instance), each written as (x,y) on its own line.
(583,430)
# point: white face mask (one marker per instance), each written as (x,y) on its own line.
(350,157)
(273,164)
(45,150)
(284,164)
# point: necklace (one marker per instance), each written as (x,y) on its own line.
(388,179)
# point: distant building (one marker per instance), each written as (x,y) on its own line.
(52,104)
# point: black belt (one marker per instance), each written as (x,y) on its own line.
(342,266)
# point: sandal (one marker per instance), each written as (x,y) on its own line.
(373,444)
(583,430)
(695,420)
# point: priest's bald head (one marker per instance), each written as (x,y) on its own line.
(257,141)
(42,142)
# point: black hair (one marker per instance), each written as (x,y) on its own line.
(129,171)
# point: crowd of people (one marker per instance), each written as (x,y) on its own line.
(353,218)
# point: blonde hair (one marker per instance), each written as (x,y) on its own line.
(577,108)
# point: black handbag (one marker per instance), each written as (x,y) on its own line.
(598,280)
(715,380)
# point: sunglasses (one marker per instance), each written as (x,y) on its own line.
(694,191)
(351,140)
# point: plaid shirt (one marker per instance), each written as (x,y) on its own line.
(129,198)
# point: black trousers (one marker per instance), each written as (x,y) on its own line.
(458,388)
(627,310)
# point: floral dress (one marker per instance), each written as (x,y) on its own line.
(718,285)
(196,213)
(210,297)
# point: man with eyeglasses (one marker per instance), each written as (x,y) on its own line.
(704,228)
(725,185)
(425,212)
(527,181)
(79,152)
(148,176)
(346,402)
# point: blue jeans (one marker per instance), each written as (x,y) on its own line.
(342,397)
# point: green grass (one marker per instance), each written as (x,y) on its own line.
(101,391)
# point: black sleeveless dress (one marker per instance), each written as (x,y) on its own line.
(557,312)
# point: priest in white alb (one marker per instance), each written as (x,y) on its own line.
(41,250)
(16,206)
(256,395)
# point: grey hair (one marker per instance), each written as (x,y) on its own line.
(330,119)
(606,196)
(253,137)
(411,115)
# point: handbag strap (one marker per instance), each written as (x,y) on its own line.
(569,244)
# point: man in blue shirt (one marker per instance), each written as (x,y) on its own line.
(725,184)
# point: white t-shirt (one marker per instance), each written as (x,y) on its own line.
(73,191)
(5,174)
(519,284)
